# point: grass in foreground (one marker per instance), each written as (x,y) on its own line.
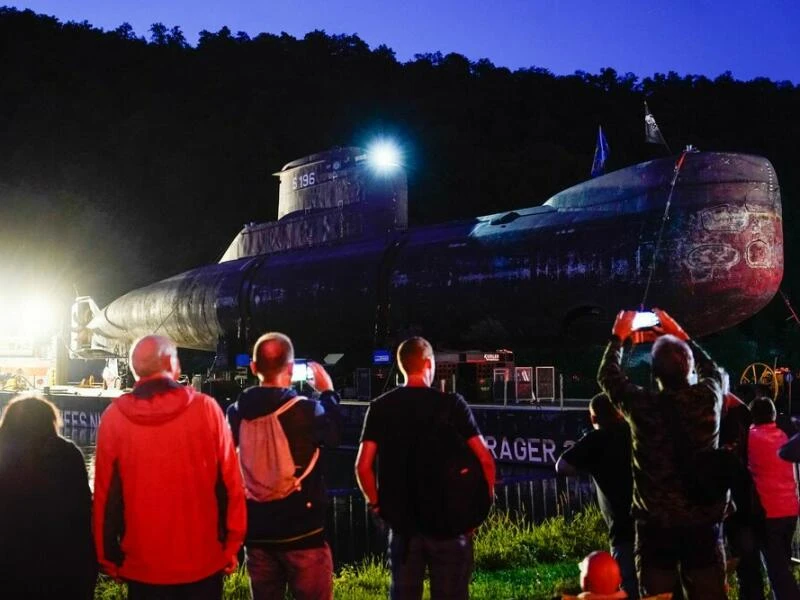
(514,560)
(504,541)
(369,580)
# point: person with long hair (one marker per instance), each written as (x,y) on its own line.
(46,549)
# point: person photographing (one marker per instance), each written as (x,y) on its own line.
(678,520)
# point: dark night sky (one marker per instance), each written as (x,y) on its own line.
(747,37)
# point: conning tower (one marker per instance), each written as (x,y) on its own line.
(326,198)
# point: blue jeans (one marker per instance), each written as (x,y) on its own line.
(449,561)
(694,551)
(777,548)
(307,572)
(623,554)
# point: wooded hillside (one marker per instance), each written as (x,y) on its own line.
(124,159)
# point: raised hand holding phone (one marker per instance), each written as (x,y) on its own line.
(670,325)
(322,382)
(623,325)
(301,370)
(645,320)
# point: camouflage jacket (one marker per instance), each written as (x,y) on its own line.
(659,492)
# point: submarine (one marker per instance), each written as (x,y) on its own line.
(341,270)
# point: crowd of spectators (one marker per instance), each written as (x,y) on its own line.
(704,467)
(178,491)
(679,467)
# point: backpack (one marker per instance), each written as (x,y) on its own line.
(448,493)
(266,459)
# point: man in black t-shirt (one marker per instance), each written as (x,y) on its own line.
(605,453)
(391,428)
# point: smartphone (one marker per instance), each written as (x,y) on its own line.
(300,370)
(645,320)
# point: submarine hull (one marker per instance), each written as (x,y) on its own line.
(708,249)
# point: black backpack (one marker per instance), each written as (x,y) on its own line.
(448,493)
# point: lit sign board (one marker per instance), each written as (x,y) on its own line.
(381,357)
(479,357)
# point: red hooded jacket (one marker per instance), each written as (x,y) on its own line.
(168,495)
(773,476)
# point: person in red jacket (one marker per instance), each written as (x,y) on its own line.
(169,508)
(777,488)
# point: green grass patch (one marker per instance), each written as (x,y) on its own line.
(108,589)
(367,579)
(370,581)
(538,582)
(506,542)
(236,586)
(514,560)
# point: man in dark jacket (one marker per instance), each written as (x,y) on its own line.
(676,525)
(605,453)
(285,542)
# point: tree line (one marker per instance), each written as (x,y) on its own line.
(126,158)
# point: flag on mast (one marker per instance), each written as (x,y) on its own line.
(601,152)
(652,134)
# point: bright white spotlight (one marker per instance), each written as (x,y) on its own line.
(36,317)
(384,156)
(8,319)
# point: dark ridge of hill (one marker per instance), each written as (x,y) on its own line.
(124,160)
